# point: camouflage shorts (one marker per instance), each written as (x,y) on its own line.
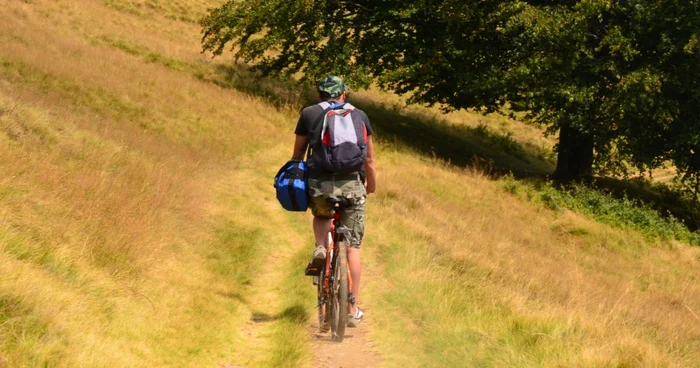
(348,186)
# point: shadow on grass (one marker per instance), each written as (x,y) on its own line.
(295,313)
(462,146)
(231,295)
(279,93)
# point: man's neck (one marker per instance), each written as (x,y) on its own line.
(339,99)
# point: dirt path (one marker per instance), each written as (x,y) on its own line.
(354,352)
(265,303)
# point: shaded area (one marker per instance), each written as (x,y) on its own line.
(327,338)
(279,93)
(295,313)
(230,295)
(659,198)
(460,145)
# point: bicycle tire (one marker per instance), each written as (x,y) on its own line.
(339,294)
(323,322)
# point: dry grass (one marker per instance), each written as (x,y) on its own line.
(478,276)
(139,227)
(117,247)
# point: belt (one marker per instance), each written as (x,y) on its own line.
(335,176)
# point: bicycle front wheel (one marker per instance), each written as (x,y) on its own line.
(339,294)
(323,320)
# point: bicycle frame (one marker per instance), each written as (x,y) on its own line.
(328,286)
(334,238)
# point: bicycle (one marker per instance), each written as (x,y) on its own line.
(333,280)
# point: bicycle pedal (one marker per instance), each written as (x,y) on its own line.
(312,271)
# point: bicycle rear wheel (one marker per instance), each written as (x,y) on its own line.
(339,294)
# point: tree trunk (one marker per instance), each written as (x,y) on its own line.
(574,155)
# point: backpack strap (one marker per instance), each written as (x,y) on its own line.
(326,106)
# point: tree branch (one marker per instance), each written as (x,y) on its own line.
(356,5)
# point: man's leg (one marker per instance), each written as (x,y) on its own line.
(354,219)
(355,273)
(322,225)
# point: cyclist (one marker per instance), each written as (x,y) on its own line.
(322,185)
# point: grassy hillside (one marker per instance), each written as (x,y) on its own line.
(139,225)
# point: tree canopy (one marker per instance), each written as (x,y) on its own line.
(616,79)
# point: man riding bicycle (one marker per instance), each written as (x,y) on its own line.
(324,184)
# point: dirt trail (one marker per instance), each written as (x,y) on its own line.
(354,352)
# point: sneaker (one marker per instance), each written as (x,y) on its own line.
(354,320)
(319,257)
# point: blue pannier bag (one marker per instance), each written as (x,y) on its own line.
(291,186)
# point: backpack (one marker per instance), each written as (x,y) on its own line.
(291,186)
(338,140)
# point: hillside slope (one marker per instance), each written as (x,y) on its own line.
(139,226)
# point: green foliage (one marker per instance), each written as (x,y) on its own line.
(315,38)
(510,184)
(622,212)
(621,72)
(618,79)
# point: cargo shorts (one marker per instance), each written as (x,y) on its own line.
(322,187)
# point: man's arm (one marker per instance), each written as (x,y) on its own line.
(370,170)
(299,144)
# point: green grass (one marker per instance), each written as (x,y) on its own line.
(23,332)
(625,212)
(236,253)
(97,99)
(149,56)
(290,345)
(446,317)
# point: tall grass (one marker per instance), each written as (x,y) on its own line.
(139,226)
(479,278)
(115,248)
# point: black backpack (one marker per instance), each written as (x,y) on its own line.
(338,141)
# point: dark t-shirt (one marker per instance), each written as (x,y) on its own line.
(310,114)
(306,123)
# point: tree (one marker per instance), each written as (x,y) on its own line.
(615,78)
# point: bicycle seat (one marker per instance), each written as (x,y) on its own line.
(340,202)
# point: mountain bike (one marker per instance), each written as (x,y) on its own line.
(333,280)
